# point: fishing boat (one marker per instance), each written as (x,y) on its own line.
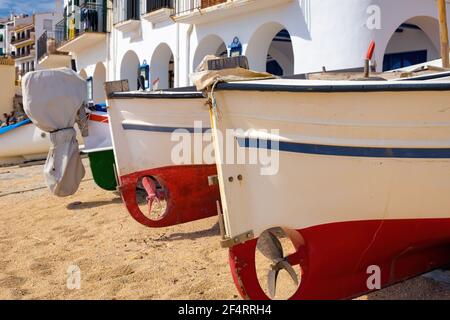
(22,142)
(142,126)
(98,147)
(356,176)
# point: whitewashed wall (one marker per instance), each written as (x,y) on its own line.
(325,33)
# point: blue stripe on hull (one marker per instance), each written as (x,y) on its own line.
(366,152)
(151,128)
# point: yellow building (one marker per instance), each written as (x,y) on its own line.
(7,85)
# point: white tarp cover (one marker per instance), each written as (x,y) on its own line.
(54,101)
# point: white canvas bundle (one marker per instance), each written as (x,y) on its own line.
(54,101)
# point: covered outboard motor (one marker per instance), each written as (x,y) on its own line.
(54,100)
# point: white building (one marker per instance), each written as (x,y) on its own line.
(46,25)
(3,44)
(23,34)
(285,37)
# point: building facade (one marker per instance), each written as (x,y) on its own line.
(118,39)
(3,44)
(7,77)
(21,38)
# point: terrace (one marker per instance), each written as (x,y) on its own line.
(47,54)
(204,11)
(159,10)
(81,28)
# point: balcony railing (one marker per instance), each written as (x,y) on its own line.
(25,54)
(125,10)
(186,6)
(89,17)
(154,5)
(15,40)
(42,46)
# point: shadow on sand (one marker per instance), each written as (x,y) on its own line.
(78,205)
(213,231)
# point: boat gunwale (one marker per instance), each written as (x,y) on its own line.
(153,95)
(333,88)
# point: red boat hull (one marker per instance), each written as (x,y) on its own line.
(188,194)
(334,258)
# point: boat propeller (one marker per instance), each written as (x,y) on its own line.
(269,245)
(152,192)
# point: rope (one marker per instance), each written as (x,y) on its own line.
(213,100)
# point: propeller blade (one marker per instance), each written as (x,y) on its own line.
(272,283)
(269,245)
(287,266)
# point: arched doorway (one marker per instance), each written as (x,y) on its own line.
(162,67)
(270,49)
(414,41)
(210,45)
(99,79)
(129,69)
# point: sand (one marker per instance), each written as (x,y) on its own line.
(42,236)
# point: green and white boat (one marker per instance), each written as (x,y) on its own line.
(98,147)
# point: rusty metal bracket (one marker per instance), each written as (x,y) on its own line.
(231,242)
(213,180)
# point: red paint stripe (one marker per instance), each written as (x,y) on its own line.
(98,118)
(189,195)
(334,257)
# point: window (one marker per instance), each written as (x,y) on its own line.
(126,10)
(404,59)
(90,88)
(1,38)
(133,11)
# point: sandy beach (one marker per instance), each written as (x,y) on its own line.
(42,236)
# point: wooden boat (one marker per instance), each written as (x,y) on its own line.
(362,182)
(98,147)
(141,125)
(22,142)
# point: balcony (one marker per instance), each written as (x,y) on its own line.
(24,54)
(127,15)
(22,40)
(204,11)
(159,10)
(82,28)
(48,56)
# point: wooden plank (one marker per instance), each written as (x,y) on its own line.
(443,33)
(116,86)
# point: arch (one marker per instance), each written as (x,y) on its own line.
(211,44)
(83,74)
(99,79)
(162,66)
(414,41)
(270,46)
(129,69)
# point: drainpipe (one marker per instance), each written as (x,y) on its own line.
(188,53)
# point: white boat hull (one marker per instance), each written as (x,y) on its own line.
(141,129)
(362,180)
(25,143)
